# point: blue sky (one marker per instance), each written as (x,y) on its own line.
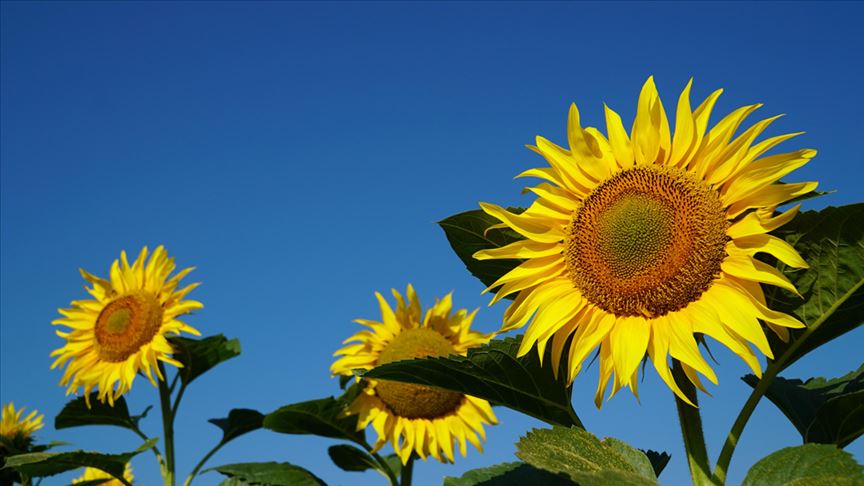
(299,155)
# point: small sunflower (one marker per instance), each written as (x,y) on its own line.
(92,474)
(15,427)
(642,243)
(415,418)
(122,331)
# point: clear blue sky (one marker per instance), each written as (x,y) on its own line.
(300,154)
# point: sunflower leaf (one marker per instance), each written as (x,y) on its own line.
(323,417)
(467,234)
(76,413)
(268,474)
(584,458)
(200,355)
(823,411)
(659,460)
(832,243)
(507,474)
(238,422)
(492,372)
(40,464)
(350,458)
(807,465)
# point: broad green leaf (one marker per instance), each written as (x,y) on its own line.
(806,465)
(823,411)
(832,243)
(40,464)
(199,355)
(350,458)
(268,474)
(659,460)
(93,482)
(636,458)
(508,474)
(493,372)
(467,234)
(323,417)
(239,421)
(584,458)
(76,414)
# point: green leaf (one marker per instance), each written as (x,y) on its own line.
(584,458)
(77,414)
(508,474)
(810,465)
(493,372)
(659,460)
(40,464)
(200,355)
(832,243)
(268,474)
(350,458)
(239,421)
(323,417)
(467,234)
(344,380)
(823,411)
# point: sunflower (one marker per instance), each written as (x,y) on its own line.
(92,474)
(415,418)
(645,243)
(122,331)
(15,427)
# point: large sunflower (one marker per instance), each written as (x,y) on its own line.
(16,427)
(413,417)
(637,243)
(93,474)
(122,331)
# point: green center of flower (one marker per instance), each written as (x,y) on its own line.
(126,324)
(646,242)
(634,233)
(416,401)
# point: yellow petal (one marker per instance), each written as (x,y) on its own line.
(525,226)
(618,139)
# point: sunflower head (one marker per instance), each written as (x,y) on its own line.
(92,474)
(415,418)
(17,428)
(122,329)
(639,242)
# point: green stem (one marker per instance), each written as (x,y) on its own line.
(407,472)
(771,372)
(691,428)
(177,400)
(202,462)
(154,448)
(167,427)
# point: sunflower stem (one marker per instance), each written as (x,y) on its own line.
(407,472)
(202,462)
(771,372)
(155,449)
(167,427)
(691,428)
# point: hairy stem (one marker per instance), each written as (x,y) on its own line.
(691,428)
(167,427)
(407,472)
(201,463)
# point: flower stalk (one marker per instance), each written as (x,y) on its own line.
(691,429)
